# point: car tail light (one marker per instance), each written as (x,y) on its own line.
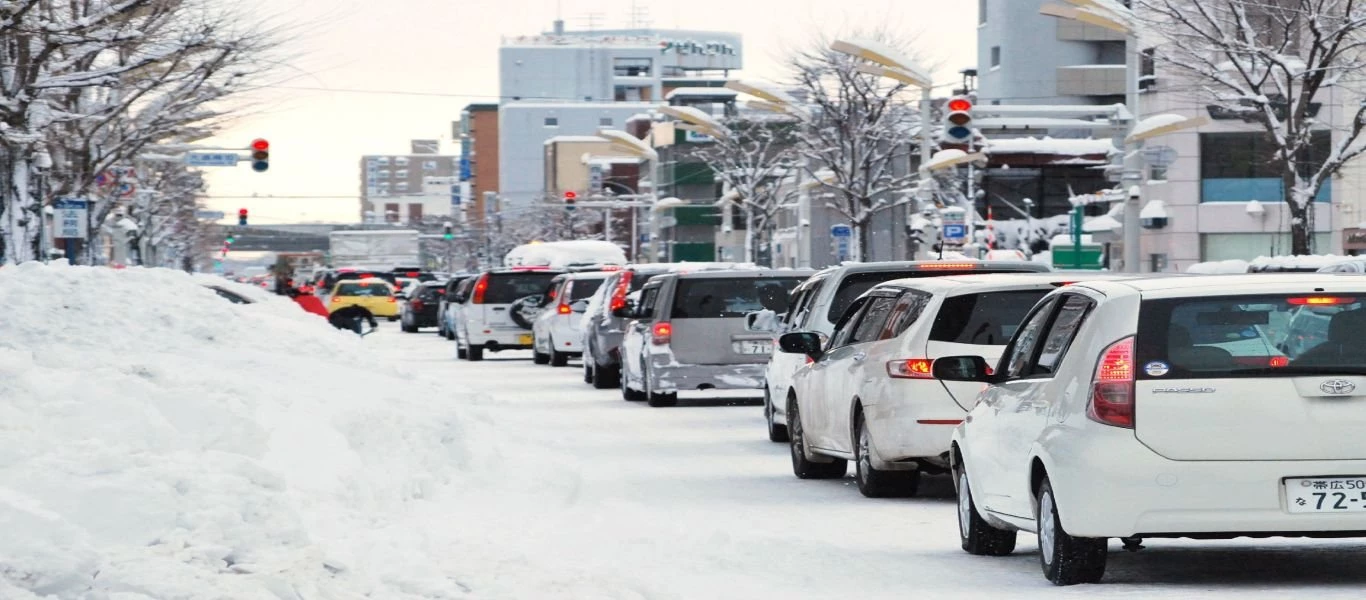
(335,299)
(911,368)
(1279,361)
(1320,301)
(1112,391)
(393,299)
(564,309)
(623,288)
(943,266)
(416,304)
(480,287)
(661,334)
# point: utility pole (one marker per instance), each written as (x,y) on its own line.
(1132,175)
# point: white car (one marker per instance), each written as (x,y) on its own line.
(1108,417)
(867,395)
(821,300)
(556,336)
(488,319)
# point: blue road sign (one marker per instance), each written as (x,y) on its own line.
(212,159)
(955,232)
(841,231)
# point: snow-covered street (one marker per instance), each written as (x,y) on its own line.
(590,496)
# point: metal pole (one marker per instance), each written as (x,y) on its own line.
(925,148)
(607,224)
(1132,174)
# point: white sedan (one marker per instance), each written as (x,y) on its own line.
(1117,411)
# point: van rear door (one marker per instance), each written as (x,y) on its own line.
(708,317)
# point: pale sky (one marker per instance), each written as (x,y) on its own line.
(449,49)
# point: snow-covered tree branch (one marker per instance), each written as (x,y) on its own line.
(1274,62)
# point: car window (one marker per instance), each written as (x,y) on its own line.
(907,311)
(580,289)
(984,319)
(854,285)
(364,289)
(1022,346)
(800,314)
(506,288)
(844,327)
(873,320)
(648,300)
(730,297)
(1061,333)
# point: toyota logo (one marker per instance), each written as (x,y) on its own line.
(1337,387)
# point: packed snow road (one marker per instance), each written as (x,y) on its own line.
(591,496)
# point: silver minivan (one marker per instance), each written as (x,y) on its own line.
(689,332)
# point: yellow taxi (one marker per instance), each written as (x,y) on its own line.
(374,295)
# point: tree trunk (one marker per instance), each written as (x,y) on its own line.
(861,243)
(1301,227)
(17,226)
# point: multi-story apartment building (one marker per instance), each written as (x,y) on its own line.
(573,83)
(393,187)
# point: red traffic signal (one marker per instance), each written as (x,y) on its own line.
(959,118)
(570,195)
(260,145)
(959,104)
(242,217)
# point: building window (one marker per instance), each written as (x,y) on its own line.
(401,186)
(383,160)
(401,161)
(391,212)
(384,174)
(631,67)
(415,212)
(605,122)
(995,56)
(981,12)
(428,165)
(1242,166)
(401,174)
(552,121)
(1147,69)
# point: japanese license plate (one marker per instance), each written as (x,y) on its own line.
(1325,494)
(524,339)
(752,347)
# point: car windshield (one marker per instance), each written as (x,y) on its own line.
(363,288)
(725,298)
(506,288)
(855,285)
(986,319)
(1250,336)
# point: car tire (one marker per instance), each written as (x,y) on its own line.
(803,467)
(655,399)
(629,394)
(392,319)
(605,378)
(977,535)
(461,353)
(587,372)
(875,483)
(1065,560)
(474,354)
(776,433)
(538,358)
(557,358)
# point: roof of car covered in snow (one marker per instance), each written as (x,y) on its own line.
(962,284)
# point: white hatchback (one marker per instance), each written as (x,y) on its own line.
(556,335)
(1136,409)
(868,395)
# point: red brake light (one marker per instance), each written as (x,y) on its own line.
(1279,361)
(564,309)
(1112,392)
(623,288)
(1320,301)
(417,304)
(913,368)
(480,287)
(661,334)
(413,274)
(942,266)
(335,299)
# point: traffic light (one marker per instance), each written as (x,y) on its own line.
(448,232)
(569,199)
(958,120)
(242,217)
(231,239)
(260,155)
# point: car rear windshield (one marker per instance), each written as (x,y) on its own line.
(1252,336)
(584,288)
(363,289)
(352,275)
(986,319)
(726,298)
(426,293)
(855,285)
(506,288)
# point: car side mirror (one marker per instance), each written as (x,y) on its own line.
(962,368)
(580,306)
(802,342)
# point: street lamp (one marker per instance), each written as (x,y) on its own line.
(631,145)
(889,62)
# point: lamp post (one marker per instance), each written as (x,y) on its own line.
(633,146)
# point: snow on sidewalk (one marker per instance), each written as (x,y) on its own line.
(158,441)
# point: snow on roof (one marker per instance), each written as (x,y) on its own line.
(1220,267)
(1049,145)
(701,92)
(1154,209)
(1101,223)
(1156,122)
(576,139)
(562,254)
(169,432)
(1301,262)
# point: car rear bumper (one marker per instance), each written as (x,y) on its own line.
(668,376)
(567,338)
(1116,487)
(916,422)
(501,339)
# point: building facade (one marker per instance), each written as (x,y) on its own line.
(573,83)
(392,186)
(1024,57)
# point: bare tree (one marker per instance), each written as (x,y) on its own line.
(857,142)
(1273,62)
(758,151)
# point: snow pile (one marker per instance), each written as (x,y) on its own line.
(1221,267)
(158,441)
(1048,145)
(571,253)
(1297,263)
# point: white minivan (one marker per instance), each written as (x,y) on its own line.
(1166,408)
